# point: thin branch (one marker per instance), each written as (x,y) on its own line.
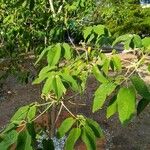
(68,110)
(43,112)
(52,7)
(59,113)
(61,6)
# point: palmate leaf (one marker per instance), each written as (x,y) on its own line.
(72,138)
(126,104)
(20,114)
(112,107)
(8,139)
(99,29)
(146,42)
(101,94)
(41,78)
(68,51)
(65,127)
(87,31)
(54,54)
(44,73)
(126,39)
(24,141)
(48,85)
(68,78)
(42,54)
(46,69)
(99,76)
(58,87)
(31,113)
(92,36)
(105,63)
(117,62)
(137,41)
(26,112)
(88,138)
(140,86)
(95,127)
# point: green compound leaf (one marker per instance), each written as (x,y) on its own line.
(42,54)
(8,139)
(31,113)
(54,54)
(69,79)
(68,52)
(20,114)
(24,141)
(112,107)
(48,85)
(117,62)
(87,31)
(88,138)
(72,138)
(65,127)
(101,94)
(99,29)
(26,112)
(140,86)
(126,104)
(137,41)
(126,39)
(95,127)
(146,42)
(59,87)
(98,75)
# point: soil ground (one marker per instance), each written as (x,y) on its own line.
(135,136)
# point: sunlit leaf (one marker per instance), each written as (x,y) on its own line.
(137,41)
(99,76)
(73,83)
(99,30)
(117,62)
(126,104)
(112,107)
(54,54)
(48,85)
(20,114)
(31,112)
(59,88)
(101,94)
(146,42)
